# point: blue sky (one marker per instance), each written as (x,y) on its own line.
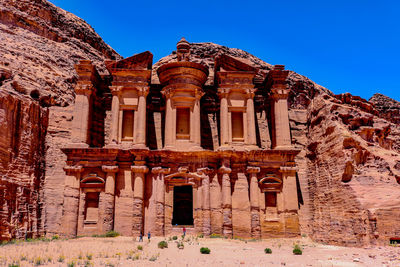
(347,46)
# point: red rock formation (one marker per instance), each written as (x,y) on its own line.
(349,166)
(39,46)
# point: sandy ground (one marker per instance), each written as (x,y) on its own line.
(123,251)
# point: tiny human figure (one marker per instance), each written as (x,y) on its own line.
(184,231)
(148,235)
(141,237)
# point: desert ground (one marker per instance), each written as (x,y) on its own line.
(124,251)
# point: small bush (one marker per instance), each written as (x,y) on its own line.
(39,261)
(180,245)
(297,250)
(200,235)
(61,258)
(153,258)
(162,244)
(205,250)
(215,236)
(174,237)
(71,264)
(139,247)
(268,251)
(55,237)
(14,264)
(112,234)
(89,256)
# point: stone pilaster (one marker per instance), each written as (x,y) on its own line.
(140,123)
(290,200)
(226,201)
(251,122)
(109,201)
(139,171)
(159,182)
(206,200)
(254,202)
(80,125)
(169,125)
(71,200)
(116,91)
(224,123)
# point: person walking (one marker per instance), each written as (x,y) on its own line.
(148,236)
(184,231)
(141,236)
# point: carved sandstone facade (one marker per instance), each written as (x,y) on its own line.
(147,164)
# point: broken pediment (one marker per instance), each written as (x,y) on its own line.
(142,61)
(228,63)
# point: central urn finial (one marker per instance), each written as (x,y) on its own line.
(183,50)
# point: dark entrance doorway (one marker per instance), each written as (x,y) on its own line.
(183,205)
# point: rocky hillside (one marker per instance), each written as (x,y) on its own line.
(39,45)
(349,164)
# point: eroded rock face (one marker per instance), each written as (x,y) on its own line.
(39,45)
(349,165)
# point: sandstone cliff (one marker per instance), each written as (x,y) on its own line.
(349,164)
(39,45)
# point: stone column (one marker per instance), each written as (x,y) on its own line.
(290,201)
(170,130)
(80,125)
(71,200)
(281,120)
(115,90)
(224,130)
(206,201)
(254,202)
(196,122)
(226,201)
(140,124)
(159,174)
(289,188)
(251,122)
(139,171)
(109,201)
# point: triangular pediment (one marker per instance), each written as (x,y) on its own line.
(142,61)
(228,63)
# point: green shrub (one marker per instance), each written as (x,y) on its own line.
(71,264)
(153,258)
(205,250)
(200,235)
(139,247)
(174,237)
(112,234)
(268,251)
(215,236)
(162,244)
(39,261)
(180,245)
(297,250)
(14,264)
(55,237)
(89,256)
(61,258)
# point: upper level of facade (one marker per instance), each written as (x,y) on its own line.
(126,110)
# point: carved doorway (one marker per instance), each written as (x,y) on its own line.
(183,205)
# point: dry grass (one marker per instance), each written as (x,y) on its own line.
(123,251)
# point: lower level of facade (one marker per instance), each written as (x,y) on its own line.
(231,193)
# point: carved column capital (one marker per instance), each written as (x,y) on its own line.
(205,171)
(251,169)
(109,169)
(84,89)
(160,170)
(139,169)
(224,170)
(116,90)
(143,91)
(73,170)
(279,92)
(223,92)
(288,169)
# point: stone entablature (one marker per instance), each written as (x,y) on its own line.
(235,189)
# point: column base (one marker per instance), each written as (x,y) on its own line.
(140,146)
(284,148)
(77,145)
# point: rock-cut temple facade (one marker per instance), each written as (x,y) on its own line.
(159,151)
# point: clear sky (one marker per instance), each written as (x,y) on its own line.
(347,46)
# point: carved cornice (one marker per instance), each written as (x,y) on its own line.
(84,89)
